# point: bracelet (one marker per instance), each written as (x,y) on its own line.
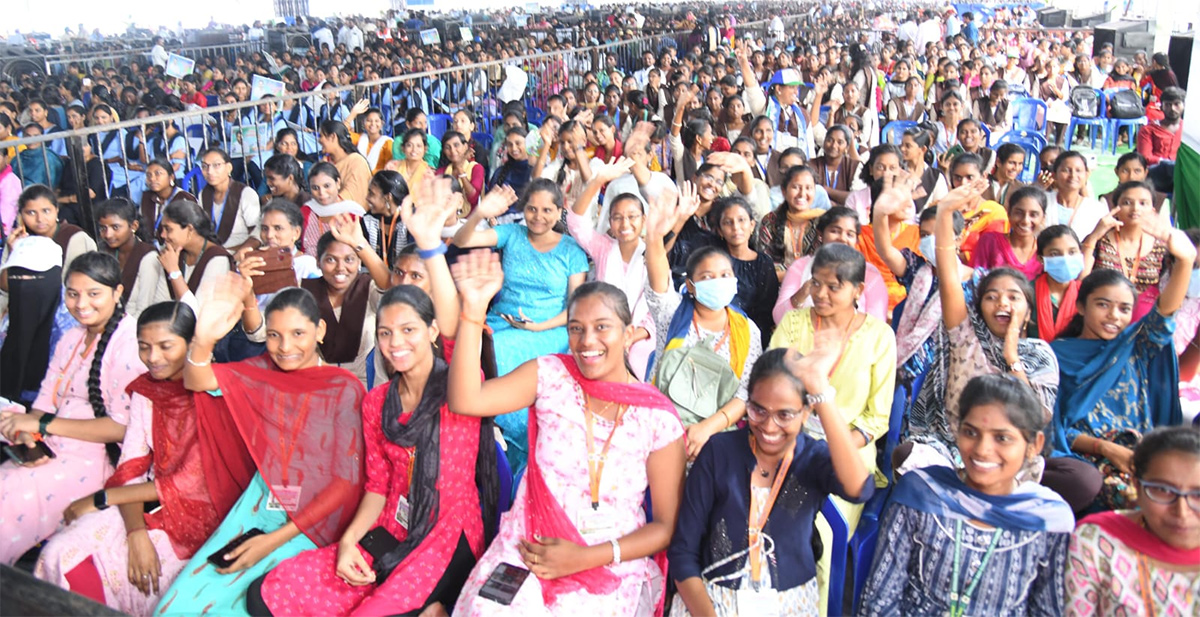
(194,363)
(44,423)
(433,252)
(945,248)
(133,531)
(482,323)
(616,548)
(728,420)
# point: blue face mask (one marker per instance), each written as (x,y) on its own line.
(716,294)
(1065,268)
(1194,286)
(927,248)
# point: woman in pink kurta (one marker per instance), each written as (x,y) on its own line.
(608,254)
(1026,209)
(35,496)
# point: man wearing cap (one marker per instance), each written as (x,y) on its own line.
(1013,73)
(782,106)
(953,24)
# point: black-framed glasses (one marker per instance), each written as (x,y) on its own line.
(1165,494)
(783,418)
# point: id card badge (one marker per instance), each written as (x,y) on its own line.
(783,141)
(283,498)
(596,525)
(761,603)
(402,511)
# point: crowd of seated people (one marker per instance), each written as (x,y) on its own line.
(657,344)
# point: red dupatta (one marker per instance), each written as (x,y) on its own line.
(300,429)
(189,512)
(1139,539)
(544,516)
(1049,325)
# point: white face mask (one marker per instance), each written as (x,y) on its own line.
(1193,290)
(927,246)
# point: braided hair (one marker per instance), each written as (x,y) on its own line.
(106,270)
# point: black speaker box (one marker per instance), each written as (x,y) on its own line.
(1052,18)
(1180,55)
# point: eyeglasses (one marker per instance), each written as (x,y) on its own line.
(1166,494)
(617,220)
(758,415)
(206,166)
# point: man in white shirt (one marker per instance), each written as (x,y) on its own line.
(953,23)
(642,75)
(930,30)
(158,55)
(323,37)
(908,29)
(255,33)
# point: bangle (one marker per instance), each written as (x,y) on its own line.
(728,420)
(194,363)
(945,248)
(482,323)
(616,550)
(44,423)
(133,531)
(433,252)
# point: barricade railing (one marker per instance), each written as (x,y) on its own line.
(246,130)
(58,63)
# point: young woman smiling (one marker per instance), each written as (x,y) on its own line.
(941,519)
(191,255)
(883,160)
(758,285)
(80,412)
(1070,205)
(1017,248)
(325,182)
(787,233)
(413,166)
(284,176)
(133,556)
(352,166)
(774,463)
(835,168)
(142,276)
(1161,537)
(584,536)
(1118,378)
(916,153)
(456,149)
(371,143)
(1010,161)
(838,225)
(285,429)
(1129,239)
(230,205)
(161,189)
(543,268)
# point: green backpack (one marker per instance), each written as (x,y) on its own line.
(697,380)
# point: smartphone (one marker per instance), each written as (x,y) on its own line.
(518,318)
(218,558)
(24,454)
(504,583)
(378,542)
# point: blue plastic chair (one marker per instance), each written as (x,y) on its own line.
(837,553)
(1115,125)
(1099,122)
(1029,114)
(438,123)
(535,116)
(1033,143)
(194,181)
(506,480)
(987,135)
(484,139)
(824,114)
(893,132)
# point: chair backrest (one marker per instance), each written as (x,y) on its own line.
(893,132)
(987,135)
(194,181)
(438,124)
(1029,114)
(1124,104)
(1033,143)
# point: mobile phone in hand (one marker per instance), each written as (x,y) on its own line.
(218,558)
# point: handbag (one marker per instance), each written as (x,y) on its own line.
(697,380)
(277,273)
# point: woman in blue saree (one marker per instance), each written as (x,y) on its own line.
(1119,380)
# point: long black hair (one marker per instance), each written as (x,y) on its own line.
(1100,277)
(422,431)
(106,270)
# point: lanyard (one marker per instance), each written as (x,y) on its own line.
(755,527)
(1137,258)
(961,598)
(845,338)
(797,241)
(596,463)
(58,390)
(836,172)
(720,341)
(386,236)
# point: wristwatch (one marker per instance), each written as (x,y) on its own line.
(174,275)
(100,500)
(824,397)
(1017,367)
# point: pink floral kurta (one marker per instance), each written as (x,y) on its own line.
(34,497)
(562,454)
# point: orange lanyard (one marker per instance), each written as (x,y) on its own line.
(412,463)
(755,527)
(596,463)
(387,256)
(1137,258)
(845,339)
(720,341)
(58,390)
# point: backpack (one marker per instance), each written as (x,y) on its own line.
(1126,105)
(697,380)
(1085,102)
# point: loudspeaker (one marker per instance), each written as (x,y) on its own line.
(1179,53)
(1090,20)
(1117,33)
(1052,18)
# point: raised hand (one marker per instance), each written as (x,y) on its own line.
(479,277)
(345,229)
(426,222)
(959,198)
(496,202)
(896,197)
(1109,221)
(221,306)
(689,200)
(730,162)
(360,107)
(607,172)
